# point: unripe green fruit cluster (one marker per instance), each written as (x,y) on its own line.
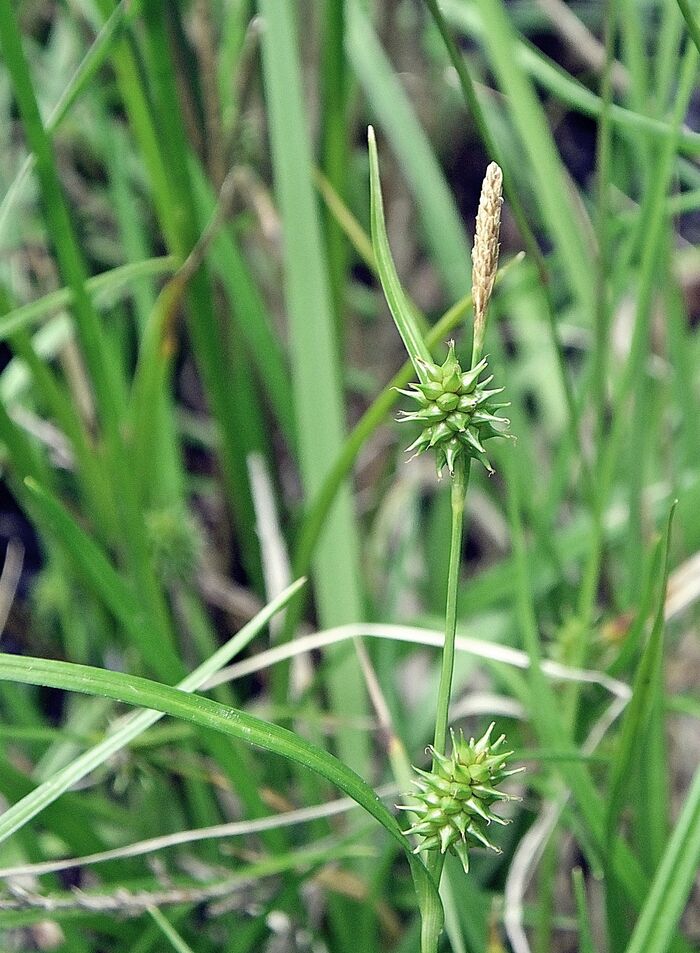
(457,412)
(453,808)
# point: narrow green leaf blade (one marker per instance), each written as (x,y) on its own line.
(131,690)
(637,712)
(391,285)
(585,939)
(86,555)
(318,393)
(169,931)
(109,285)
(33,803)
(658,920)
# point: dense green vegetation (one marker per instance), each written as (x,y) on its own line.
(208,512)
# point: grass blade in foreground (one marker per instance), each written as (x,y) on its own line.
(31,805)
(132,690)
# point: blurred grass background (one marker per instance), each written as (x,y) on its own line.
(195,355)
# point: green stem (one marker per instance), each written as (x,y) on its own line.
(431,914)
(690,22)
(460,481)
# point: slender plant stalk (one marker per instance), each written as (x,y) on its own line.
(431,922)
(457,414)
(432,919)
(484,268)
(458,493)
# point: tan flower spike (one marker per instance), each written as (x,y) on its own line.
(485,251)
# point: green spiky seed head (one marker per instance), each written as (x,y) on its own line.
(453,809)
(457,412)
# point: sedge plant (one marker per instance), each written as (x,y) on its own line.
(106,407)
(457,411)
